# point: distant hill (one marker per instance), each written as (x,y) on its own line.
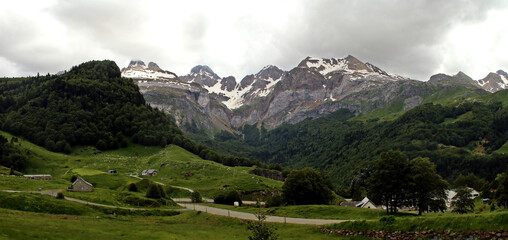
(89,105)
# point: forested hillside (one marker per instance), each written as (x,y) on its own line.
(89,105)
(460,139)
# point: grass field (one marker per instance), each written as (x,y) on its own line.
(312,211)
(488,221)
(188,225)
(28,216)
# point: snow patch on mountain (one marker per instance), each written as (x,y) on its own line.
(326,66)
(350,66)
(269,87)
(505,80)
(138,70)
(494,82)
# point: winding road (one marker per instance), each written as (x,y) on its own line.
(207,209)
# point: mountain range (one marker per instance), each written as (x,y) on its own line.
(202,101)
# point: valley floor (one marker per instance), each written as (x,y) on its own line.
(187,225)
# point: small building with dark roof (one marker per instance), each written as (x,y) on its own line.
(39,176)
(80,185)
(149,172)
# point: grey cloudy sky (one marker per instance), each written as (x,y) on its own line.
(414,38)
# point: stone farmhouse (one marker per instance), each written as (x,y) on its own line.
(80,185)
(149,172)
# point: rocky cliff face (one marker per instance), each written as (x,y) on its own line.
(202,100)
(494,82)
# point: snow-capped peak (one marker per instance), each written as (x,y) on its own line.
(138,70)
(349,66)
(325,66)
(494,82)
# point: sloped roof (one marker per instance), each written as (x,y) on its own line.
(349,204)
(364,201)
(81,179)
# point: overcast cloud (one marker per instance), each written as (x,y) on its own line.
(415,38)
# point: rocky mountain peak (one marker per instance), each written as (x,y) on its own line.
(202,75)
(135,63)
(355,64)
(138,70)
(324,66)
(463,76)
(494,81)
(270,73)
(154,67)
(503,73)
(439,77)
(228,83)
(202,69)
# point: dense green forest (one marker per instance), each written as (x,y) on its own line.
(10,155)
(459,139)
(91,105)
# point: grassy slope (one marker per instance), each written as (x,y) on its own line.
(176,167)
(503,149)
(448,96)
(188,225)
(487,221)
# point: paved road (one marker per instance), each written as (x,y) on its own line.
(250,216)
(188,200)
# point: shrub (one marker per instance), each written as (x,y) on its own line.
(275,201)
(140,202)
(143,185)
(73,178)
(196,197)
(177,192)
(228,198)
(59,195)
(389,220)
(133,187)
(260,230)
(155,191)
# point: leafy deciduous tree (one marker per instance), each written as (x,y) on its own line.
(427,188)
(307,186)
(462,201)
(389,180)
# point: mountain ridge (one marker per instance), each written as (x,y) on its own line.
(272,96)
